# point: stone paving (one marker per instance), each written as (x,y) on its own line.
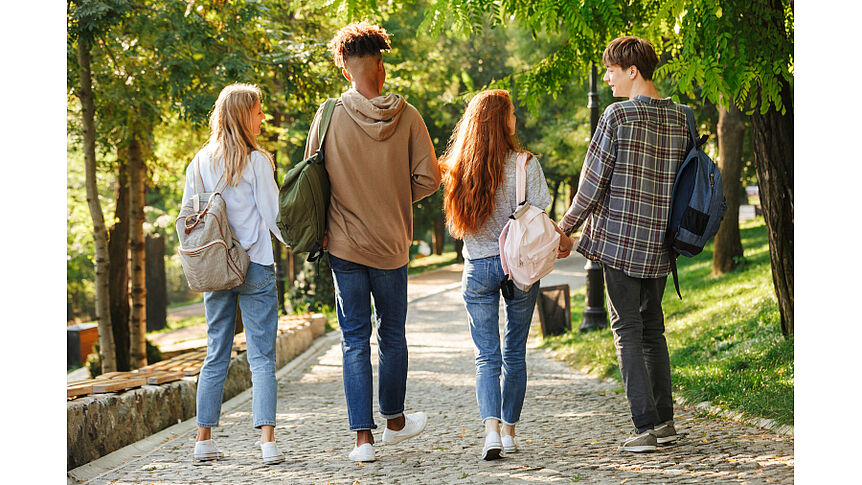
(569,432)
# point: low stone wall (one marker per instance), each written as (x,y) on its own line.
(101,423)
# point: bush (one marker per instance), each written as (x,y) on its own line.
(313,290)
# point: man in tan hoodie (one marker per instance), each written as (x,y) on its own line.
(380,160)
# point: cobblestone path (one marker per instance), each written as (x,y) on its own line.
(569,431)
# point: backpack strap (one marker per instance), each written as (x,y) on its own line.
(692,126)
(673,257)
(325,118)
(521,178)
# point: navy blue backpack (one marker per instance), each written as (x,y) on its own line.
(697,203)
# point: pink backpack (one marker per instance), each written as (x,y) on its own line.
(529,241)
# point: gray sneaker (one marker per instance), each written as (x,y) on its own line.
(665,433)
(640,443)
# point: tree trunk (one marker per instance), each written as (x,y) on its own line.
(157,285)
(438,234)
(138,323)
(731,129)
(118,248)
(107,351)
(773,157)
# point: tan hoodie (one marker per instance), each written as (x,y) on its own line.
(380,160)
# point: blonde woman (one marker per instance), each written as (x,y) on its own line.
(232,159)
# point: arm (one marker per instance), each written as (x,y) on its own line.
(538,195)
(424,171)
(189,189)
(595,176)
(266,193)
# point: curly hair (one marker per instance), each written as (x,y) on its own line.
(358,39)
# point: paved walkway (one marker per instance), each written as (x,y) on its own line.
(570,428)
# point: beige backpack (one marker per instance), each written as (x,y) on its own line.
(212,258)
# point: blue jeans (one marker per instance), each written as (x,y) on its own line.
(480,285)
(259,306)
(355,284)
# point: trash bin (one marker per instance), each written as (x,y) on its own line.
(79,342)
(555,313)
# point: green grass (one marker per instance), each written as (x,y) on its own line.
(177,324)
(724,336)
(432,262)
(178,304)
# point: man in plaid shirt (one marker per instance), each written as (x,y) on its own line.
(623,201)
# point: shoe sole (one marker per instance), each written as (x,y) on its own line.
(273,461)
(667,439)
(639,449)
(399,440)
(510,450)
(363,460)
(217,455)
(491,454)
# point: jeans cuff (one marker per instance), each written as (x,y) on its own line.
(367,427)
(510,424)
(207,425)
(391,416)
(264,423)
(490,417)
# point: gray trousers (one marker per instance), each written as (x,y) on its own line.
(637,321)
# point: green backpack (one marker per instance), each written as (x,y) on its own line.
(303,198)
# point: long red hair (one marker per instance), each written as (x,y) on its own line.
(473,163)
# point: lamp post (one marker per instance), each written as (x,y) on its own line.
(595,316)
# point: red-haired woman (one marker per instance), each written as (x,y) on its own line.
(479,179)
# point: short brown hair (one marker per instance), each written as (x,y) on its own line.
(632,51)
(358,39)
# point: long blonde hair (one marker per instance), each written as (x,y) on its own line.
(231,131)
(473,163)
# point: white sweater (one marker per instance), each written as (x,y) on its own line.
(252,204)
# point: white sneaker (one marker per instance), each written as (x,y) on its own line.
(509,444)
(493,446)
(270,453)
(363,453)
(414,423)
(207,451)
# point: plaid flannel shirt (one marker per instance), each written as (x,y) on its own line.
(624,194)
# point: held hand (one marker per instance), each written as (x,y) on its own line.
(566,244)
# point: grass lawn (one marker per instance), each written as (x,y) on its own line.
(432,262)
(173,324)
(724,336)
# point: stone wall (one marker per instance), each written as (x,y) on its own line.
(101,423)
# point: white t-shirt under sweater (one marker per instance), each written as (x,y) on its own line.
(252,205)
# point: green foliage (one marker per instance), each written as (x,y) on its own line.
(94,362)
(153,353)
(724,341)
(727,47)
(313,290)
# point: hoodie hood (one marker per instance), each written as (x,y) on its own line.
(377,117)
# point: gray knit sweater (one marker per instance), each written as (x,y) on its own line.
(485,241)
